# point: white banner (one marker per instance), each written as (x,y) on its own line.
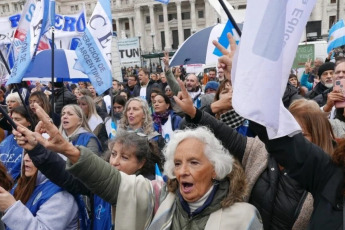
(271,33)
(129,52)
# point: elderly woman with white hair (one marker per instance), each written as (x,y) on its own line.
(205,189)
(12,101)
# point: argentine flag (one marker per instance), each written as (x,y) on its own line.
(94,48)
(336,36)
(159,176)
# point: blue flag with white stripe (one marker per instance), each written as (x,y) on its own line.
(29,47)
(94,48)
(163,1)
(336,36)
(223,39)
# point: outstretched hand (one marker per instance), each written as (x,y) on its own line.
(185,101)
(166,61)
(25,137)
(225,61)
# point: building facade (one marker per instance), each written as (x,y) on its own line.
(164,27)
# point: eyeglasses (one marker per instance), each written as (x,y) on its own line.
(168,90)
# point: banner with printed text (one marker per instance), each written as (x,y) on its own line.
(129,52)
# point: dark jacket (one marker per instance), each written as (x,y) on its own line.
(278,198)
(63,97)
(314,170)
(151,85)
(318,89)
(133,92)
(321,99)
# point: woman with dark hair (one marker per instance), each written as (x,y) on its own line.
(165,120)
(10,152)
(40,98)
(37,203)
(119,103)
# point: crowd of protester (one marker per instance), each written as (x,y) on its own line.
(91,161)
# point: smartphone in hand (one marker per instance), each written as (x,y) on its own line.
(339,85)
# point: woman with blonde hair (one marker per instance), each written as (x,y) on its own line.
(75,129)
(94,121)
(136,117)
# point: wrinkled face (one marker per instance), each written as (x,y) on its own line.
(123,158)
(135,115)
(327,78)
(293,81)
(29,167)
(339,72)
(191,82)
(16,117)
(159,104)
(84,106)
(92,90)
(212,75)
(32,100)
(143,78)
(69,120)
(11,104)
(131,81)
(193,170)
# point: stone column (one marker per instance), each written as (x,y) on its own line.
(139,25)
(206,14)
(118,29)
(153,25)
(179,22)
(131,29)
(325,19)
(192,14)
(166,28)
(118,2)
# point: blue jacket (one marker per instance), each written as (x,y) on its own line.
(11,156)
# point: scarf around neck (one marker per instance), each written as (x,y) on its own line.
(160,119)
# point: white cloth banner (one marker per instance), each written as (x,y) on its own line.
(129,52)
(271,33)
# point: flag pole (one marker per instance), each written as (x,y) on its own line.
(52,21)
(232,20)
(17,88)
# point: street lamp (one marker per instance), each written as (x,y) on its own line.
(139,37)
(153,44)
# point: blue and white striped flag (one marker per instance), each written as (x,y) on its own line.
(223,39)
(159,176)
(32,39)
(94,48)
(163,1)
(336,36)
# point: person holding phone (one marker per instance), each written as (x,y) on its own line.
(10,151)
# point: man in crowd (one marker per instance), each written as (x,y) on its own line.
(146,85)
(132,86)
(212,75)
(97,99)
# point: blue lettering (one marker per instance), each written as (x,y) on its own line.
(58,22)
(69,24)
(81,23)
(14,20)
(31,10)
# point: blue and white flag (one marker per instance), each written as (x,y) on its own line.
(159,176)
(163,1)
(94,48)
(113,130)
(336,36)
(223,39)
(260,70)
(39,18)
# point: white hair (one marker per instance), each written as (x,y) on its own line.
(14,97)
(219,157)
